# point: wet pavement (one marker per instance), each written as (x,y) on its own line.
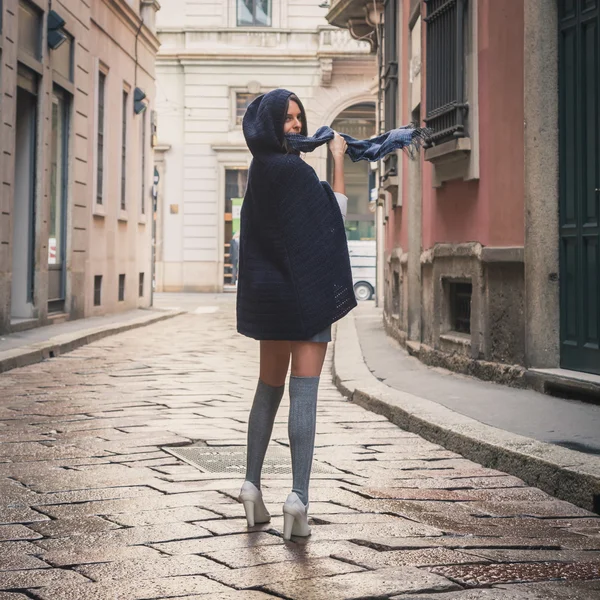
(94,508)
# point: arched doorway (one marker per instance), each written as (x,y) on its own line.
(358,121)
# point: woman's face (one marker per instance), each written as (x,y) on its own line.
(293,119)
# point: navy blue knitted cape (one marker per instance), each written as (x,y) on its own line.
(294,269)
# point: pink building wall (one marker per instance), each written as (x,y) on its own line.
(489,210)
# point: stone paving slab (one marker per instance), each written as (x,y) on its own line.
(549,591)
(21,349)
(567,474)
(380,583)
(95,507)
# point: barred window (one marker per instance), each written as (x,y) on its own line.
(446,103)
(390,77)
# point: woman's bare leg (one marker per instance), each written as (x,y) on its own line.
(307,363)
(274,363)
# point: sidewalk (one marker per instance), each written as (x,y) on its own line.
(520,432)
(567,423)
(33,345)
(96,507)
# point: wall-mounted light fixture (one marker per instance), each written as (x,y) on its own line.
(56,35)
(139,106)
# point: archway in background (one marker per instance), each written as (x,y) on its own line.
(358,121)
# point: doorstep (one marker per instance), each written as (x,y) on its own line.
(565,383)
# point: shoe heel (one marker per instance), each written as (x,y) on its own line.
(249,508)
(288,525)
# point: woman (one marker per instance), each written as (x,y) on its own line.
(294,282)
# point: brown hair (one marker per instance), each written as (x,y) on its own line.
(286,145)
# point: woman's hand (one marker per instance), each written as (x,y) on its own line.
(337,146)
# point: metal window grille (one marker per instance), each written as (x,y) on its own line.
(446,105)
(254,13)
(390,78)
(100,139)
(97,290)
(242,101)
(141,286)
(121,287)
(124,153)
(460,307)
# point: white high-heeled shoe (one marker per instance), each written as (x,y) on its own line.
(295,518)
(256,511)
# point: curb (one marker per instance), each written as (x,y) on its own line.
(560,472)
(61,344)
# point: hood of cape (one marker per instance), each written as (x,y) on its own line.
(264,121)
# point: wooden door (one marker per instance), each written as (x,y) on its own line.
(579,131)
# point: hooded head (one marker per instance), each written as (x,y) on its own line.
(264,121)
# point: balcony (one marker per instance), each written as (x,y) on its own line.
(359,17)
(325,43)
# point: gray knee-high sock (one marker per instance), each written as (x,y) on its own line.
(301,430)
(260,426)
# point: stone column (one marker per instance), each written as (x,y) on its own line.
(542,335)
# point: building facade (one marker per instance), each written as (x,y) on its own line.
(76,93)
(215,58)
(490,241)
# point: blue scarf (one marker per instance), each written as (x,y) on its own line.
(408,139)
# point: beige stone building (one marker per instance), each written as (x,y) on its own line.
(76,99)
(215,58)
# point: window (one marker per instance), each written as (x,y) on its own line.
(446,106)
(460,306)
(57,222)
(143,156)
(97,290)
(100,139)
(242,102)
(254,13)
(121,287)
(141,286)
(124,153)
(30,31)
(390,79)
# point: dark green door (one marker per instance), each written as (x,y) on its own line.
(579,131)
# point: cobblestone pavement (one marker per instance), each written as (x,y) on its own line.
(93,508)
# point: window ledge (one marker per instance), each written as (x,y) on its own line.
(142,219)
(98,210)
(390,184)
(454,337)
(449,152)
(123,216)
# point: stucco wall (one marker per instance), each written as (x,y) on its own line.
(198,75)
(103,30)
(489,210)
